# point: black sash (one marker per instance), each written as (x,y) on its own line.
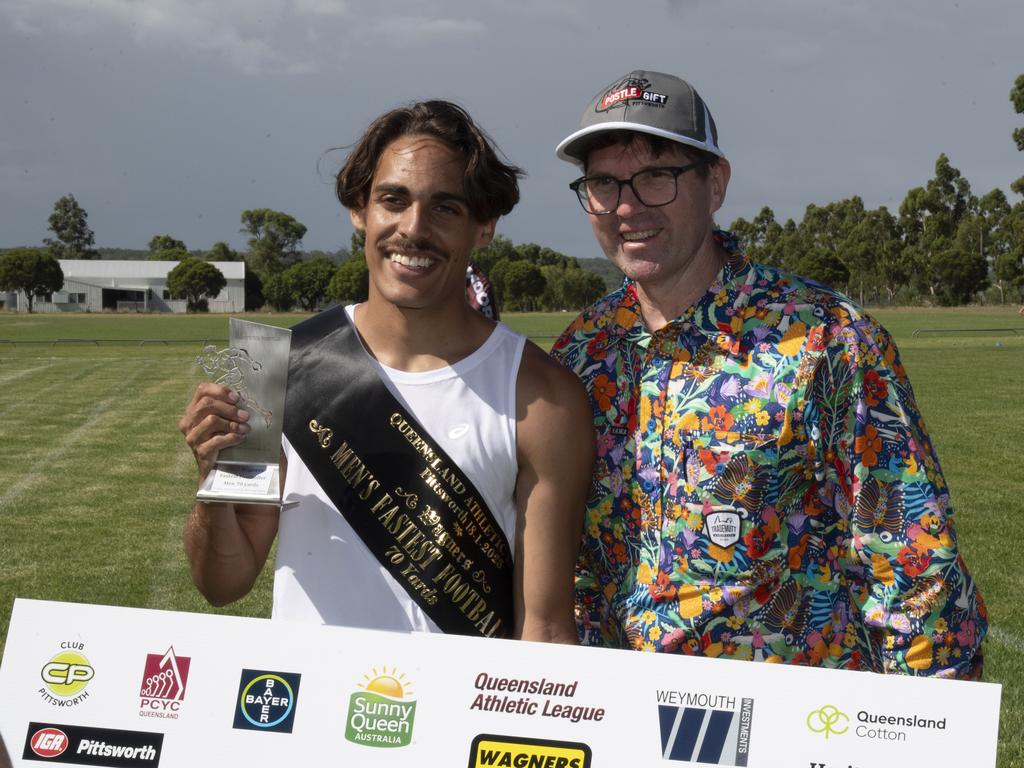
(413,507)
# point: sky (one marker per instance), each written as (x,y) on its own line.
(174,116)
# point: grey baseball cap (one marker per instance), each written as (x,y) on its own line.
(647,102)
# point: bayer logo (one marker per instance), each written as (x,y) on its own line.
(266,700)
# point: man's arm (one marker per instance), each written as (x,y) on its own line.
(919,608)
(555,447)
(227,544)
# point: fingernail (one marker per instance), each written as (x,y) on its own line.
(243,415)
(243,428)
(233,396)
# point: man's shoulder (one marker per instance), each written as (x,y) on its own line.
(607,316)
(783,298)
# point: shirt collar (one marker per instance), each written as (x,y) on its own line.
(730,288)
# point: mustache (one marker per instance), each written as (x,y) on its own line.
(411,246)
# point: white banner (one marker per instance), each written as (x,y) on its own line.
(102,686)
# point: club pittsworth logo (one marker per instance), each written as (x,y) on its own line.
(722,527)
(163,684)
(66,676)
(488,751)
(381,714)
(828,720)
(705,728)
(266,700)
(60,743)
(630,89)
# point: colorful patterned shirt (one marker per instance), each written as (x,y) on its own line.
(765,487)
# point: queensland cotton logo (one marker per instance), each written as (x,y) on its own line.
(382,714)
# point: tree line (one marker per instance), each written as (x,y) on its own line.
(944,245)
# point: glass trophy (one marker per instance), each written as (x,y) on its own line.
(255,365)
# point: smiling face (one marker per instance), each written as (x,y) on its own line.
(419,230)
(660,248)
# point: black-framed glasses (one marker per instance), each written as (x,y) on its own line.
(653,187)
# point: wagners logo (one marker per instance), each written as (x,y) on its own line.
(489,751)
(267,700)
(382,714)
(66,676)
(60,743)
(705,728)
(163,684)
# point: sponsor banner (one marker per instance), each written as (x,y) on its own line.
(81,745)
(488,751)
(141,687)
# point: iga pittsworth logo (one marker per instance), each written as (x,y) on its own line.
(266,700)
(705,728)
(163,684)
(66,676)
(59,743)
(516,751)
(382,714)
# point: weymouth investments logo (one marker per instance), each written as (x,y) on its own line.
(266,700)
(705,728)
(382,713)
(828,720)
(163,684)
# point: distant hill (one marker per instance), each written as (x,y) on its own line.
(605,269)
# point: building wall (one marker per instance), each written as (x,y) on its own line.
(84,291)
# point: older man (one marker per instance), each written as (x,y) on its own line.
(765,487)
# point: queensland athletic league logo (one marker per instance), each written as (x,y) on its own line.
(381,713)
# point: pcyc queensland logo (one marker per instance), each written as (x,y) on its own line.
(828,720)
(266,700)
(163,684)
(66,676)
(382,713)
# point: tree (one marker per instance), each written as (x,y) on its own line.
(195,281)
(930,217)
(1017,99)
(221,251)
(274,241)
(1009,263)
(759,237)
(74,239)
(309,280)
(351,281)
(31,270)
(277,290)
(519,285)
(499,249)
(166,248)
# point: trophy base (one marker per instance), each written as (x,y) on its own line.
(242,484)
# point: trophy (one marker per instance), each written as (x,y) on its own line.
(255,365)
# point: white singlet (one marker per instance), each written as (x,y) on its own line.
(324,572)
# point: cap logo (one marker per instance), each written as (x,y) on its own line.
(630,89)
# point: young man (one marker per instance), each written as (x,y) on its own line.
(436,462)
(765,487)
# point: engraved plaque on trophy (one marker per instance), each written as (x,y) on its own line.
(255,365)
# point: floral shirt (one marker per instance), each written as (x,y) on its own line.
(765,487)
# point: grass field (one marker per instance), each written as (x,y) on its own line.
(95,479)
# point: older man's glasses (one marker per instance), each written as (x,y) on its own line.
(653,187)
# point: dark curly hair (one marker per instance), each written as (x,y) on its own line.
(491,185)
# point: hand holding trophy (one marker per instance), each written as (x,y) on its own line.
(255,367)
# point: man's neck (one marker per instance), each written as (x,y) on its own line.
(661,302)
(417,340)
